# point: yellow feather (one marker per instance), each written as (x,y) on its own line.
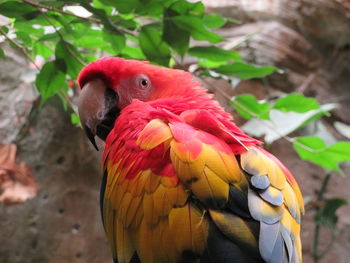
(143,243)
(298,247)
(169,181)
(125,248)
(154,133)
(140,180)
(234,227)
(224,165)
(257,163)
(150,216)
(177,196)
(167,242)
(290,201)
(269,210)
(210,186)
(124,206)
(290,224)
(116,197)
(188,228)
(152,183)
(187,171)
(162,203)
(160,251)
(108,221)
(134,209)
(112,177)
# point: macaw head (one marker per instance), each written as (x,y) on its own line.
(112,83)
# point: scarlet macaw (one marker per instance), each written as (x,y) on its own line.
(182,183)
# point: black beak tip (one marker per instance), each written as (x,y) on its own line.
(91,136)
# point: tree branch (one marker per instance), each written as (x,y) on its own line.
(63,40)
(25,52)
(88,7)
(320,197)
(51,8)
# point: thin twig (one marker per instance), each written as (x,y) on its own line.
(89,19)
(63,40)
(315,241)
(20,47)
(306,83)
(51,8)
(106,21)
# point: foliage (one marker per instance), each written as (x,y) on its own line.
(326,216)
(157,30)
(163,32)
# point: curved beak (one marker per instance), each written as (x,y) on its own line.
(97,109)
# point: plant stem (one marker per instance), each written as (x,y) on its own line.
(88,7)
(316,238)
(51,8)
(23,49)
(71,52)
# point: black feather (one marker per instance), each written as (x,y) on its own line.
(102,192)
(223,250)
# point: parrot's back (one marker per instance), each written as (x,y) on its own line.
(189,186)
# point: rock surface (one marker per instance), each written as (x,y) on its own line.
(62,223)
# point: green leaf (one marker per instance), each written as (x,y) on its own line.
(245,71)
(105,6)
(79,28)
(121,21)
(50,80)
(133,52)
(340,151)
(326,216)
(153,8)
(74,118)
(194,25)
(91,39)
(42,50)
(152,45)
(214,21)
(2,54)
(68,53)
(29,29)
(125,6)
(313,149)
(57,4)
(214,53)
(116,41)
(207,63)
(24,37)
(248,107)
(183,7)
(18,10)
(296,102)
(175,36)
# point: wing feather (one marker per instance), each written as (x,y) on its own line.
(168,187)
(277,207)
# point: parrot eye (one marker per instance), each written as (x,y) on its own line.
(143,81)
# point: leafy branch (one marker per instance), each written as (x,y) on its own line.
(23,49)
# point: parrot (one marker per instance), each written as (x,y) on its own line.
(181,182)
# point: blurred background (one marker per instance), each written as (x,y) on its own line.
(293,56)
